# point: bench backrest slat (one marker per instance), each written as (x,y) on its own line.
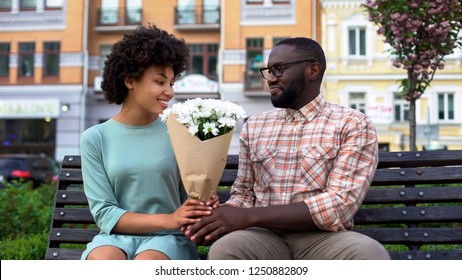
(427,175)
(410,214)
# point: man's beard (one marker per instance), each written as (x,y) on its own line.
(290,95)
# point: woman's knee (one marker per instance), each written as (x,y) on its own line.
(151,255)
(107,253)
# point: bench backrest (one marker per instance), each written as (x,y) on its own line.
(415,201)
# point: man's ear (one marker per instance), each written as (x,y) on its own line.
(312,71)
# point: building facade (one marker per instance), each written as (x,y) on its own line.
(360,74)
(52,56)
(42,76)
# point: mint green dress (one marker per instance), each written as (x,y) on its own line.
(133,168)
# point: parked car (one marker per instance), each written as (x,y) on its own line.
(37,168)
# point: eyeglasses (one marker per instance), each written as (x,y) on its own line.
(277,70)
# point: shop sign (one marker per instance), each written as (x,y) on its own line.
(195,83)
(37,108)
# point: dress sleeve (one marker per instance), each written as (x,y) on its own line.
(101,198)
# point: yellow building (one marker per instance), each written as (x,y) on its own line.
(360,74)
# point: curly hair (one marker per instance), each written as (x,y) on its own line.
(137,51)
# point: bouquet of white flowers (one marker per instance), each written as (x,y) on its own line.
(201,132)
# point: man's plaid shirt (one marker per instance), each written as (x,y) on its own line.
(322,154)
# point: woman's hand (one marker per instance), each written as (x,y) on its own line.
(214,201)
(190,213)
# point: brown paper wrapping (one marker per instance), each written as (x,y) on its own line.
(201,163)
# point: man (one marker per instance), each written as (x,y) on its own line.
(304,169)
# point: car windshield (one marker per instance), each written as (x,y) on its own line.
(10,163)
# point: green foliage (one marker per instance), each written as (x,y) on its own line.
(31,247)
(25,211)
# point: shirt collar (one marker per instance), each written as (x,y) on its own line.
(307,112)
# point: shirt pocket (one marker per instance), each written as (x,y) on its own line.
(316,165)
(264,161)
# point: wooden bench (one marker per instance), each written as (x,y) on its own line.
(415,201)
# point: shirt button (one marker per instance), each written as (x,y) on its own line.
(288,172)
(284,194)
(318,155)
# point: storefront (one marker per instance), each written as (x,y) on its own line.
(28,126)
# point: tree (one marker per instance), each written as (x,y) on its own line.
(421,33)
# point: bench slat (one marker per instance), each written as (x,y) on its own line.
(70,175)
(413,195)
(411,214)
(427,255)
(70,197)
(63,254)
(74,235)
(73,215)
(72,161)
(420,158)
(429,175)
(414,235)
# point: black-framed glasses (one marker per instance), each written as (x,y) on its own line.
(277,69)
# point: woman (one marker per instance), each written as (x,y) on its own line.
(131,177)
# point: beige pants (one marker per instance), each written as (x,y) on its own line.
(263,244)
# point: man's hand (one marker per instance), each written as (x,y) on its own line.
(223,220)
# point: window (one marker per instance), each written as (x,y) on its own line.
(5,5)
(186,12)
(401,107)
(267,2)
(357,41)
(278,39)
(51,59)
(104,51)
(211,13)
(133,11)
(53,4)
(445,106)
(254,61)
(358,101)
(204,60)
(28,5)
(26,59)
(4,60)
(109,12)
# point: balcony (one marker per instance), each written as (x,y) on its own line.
(197,18)
(115,19)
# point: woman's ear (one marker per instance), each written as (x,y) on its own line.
(129,83)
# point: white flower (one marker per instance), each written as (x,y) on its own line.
(206,118)
(210,128)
